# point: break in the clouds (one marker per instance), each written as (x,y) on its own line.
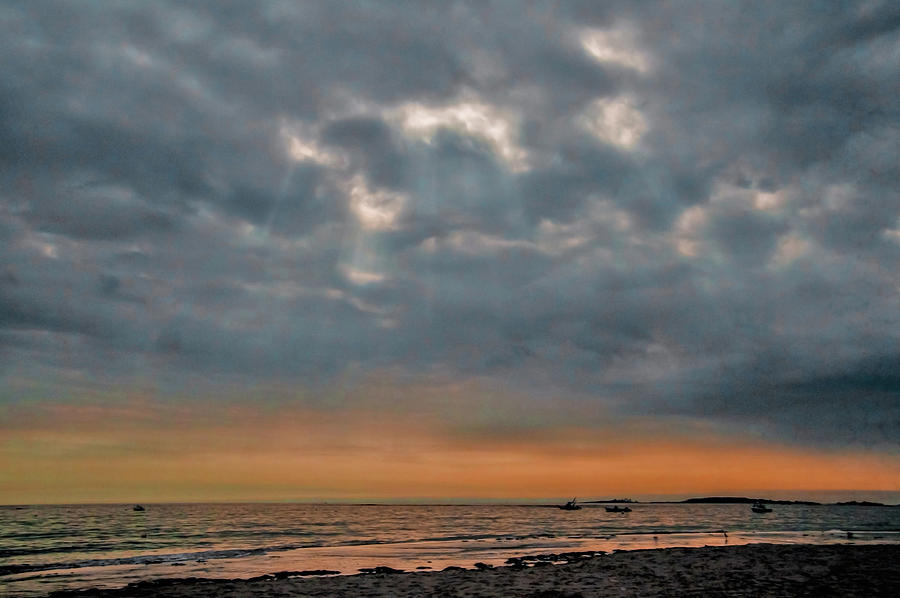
(660,209)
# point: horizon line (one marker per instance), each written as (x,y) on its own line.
(475,501)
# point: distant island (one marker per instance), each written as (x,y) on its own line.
(742,500)
(745,500)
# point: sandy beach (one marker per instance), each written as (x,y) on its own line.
(751,570)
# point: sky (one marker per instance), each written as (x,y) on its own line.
(437,250)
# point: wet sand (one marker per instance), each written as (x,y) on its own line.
(750,570)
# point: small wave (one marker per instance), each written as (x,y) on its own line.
(244,552)
(234,553)
(861,532)
(147,559)
(14,552)
(661,532)
(88,547)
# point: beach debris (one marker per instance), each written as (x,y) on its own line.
(289,574)
(516,563)
(380,569)
(556,594)
(154,584)
(552,557)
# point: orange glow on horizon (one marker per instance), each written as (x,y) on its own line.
(145,452)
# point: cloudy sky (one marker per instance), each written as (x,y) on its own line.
(448,249)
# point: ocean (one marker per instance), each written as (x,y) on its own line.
(45,548)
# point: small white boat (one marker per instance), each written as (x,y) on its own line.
(760,508)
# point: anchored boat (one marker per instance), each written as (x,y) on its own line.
(618,509)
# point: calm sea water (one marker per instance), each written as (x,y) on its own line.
(44,548)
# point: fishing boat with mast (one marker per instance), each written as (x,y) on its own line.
(570,505)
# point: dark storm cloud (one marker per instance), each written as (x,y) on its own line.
(695,215)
